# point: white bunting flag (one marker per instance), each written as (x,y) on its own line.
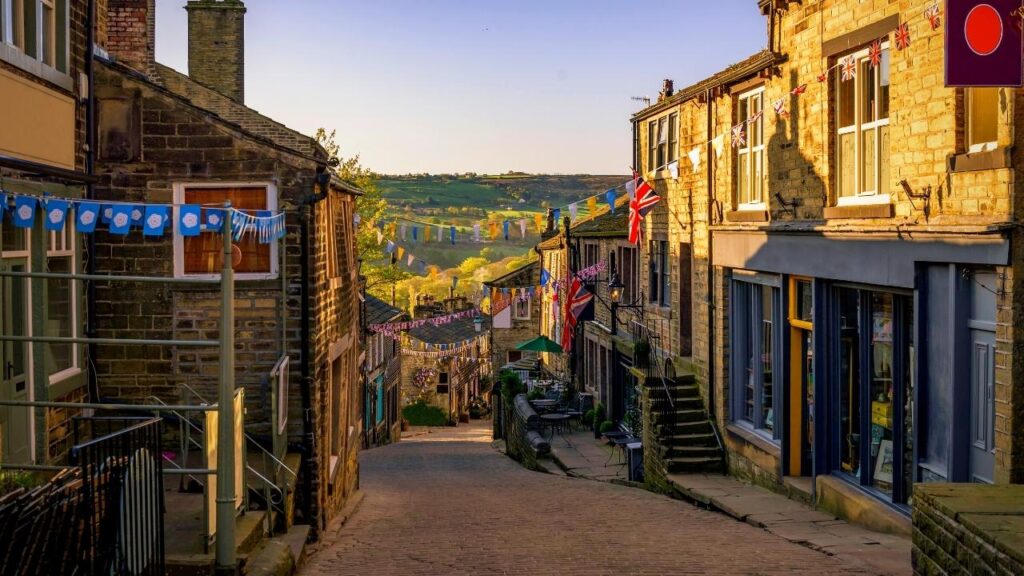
(522,227)
(719,144)
(673,169)
(572,210)
(695,158)
(380,237)
(476,232)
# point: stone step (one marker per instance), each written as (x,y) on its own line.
(690,451)
(696,464)
(695,427)
(682,416)
(700,439)
(688,403)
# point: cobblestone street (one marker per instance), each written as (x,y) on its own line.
(449,503)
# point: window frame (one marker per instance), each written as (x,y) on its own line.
(68,250)
(659,269)
(745,200)
(973,147)
(629,276)
(22,36)
(880,193)
(179,189)
(516,312)
(746,311)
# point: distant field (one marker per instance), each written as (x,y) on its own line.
(465,200)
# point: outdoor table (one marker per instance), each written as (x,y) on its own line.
(555,421)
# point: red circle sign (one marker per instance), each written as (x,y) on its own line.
(983,29)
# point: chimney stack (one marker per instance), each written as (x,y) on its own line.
(128,33)
(216,45)
(666,90)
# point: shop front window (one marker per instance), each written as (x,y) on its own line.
(875,428)
(756,322)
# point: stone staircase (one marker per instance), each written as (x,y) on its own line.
(687,442)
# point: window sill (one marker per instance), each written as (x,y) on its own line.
(26,63)
(974,161)
(58,377)
(851,211)
(747,215)
(754,438)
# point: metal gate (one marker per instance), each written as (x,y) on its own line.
(122,484)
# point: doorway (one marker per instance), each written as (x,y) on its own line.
(983,346)
(15,384)
(800,413)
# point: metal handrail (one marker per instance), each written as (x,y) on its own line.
(108,406)
(109,278)
(248,437)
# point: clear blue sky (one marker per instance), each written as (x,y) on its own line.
(476,85)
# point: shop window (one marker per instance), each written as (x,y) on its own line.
(756,322)
(442,383)
(750,156)
(201,255)
(982,114)
(862,124)
(875,430)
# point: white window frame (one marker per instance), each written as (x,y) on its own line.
(68,250)
(968,123)
(179,240)
(861,196)
(752,152)
(515,309)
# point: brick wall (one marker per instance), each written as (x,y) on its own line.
(127,30)
(216,45)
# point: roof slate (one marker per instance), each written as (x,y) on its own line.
(526,275)
(453,332)
(379,311)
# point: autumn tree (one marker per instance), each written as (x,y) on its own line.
(380,272)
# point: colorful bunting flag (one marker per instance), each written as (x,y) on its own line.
(402,233)
(476,232)
(609,197)
(848,67)
(188,220)
(410,260)
(673,169)
(739,137)
(902,36)
(137,213)
(215,219)
(694,155)
(557,214)
(504,227)
(538,219)
(522,227)
(415,233)
(572,211)
(932,14)
(718,143)
(389,247)
(592,205)
(451,231)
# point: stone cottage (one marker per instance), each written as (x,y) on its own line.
(515,316)
(381,374)
(170,137)
(446,365)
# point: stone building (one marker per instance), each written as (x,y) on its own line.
(553,260)
(852,294)
(515,316)
(381,375)
(447,365)
(44,89)
(168,137)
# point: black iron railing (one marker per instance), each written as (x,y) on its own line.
(121,469)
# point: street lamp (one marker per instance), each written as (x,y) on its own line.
(478,323)
(615,288)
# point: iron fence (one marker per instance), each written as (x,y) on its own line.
(121,470)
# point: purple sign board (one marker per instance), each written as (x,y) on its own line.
(984,43)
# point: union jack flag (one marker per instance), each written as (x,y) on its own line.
(823,76)
(755,117)
(739,136)
(875,53)
(576,303)
(799,90)
(902,36)
(780,107)
(932,14)
(848,68)
(643,200)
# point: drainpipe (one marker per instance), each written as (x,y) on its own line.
(90,194)
(306,215)
(711,269)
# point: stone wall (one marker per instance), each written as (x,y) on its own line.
(968,529)
(522,426)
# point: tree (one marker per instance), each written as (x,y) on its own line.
(377,267)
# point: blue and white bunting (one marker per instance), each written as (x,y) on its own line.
(24,211)
(121,219)
(86,216)
(56,213)
(188,220)
(214,220)
(154,220)
(138,212)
